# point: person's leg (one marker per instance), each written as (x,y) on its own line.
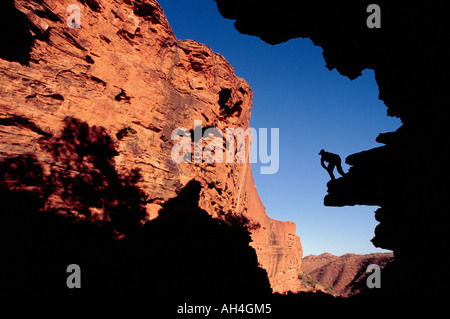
(339,169)
(330,169)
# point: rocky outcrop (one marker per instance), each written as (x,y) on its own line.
(406,177)
(93,109)
(342,275)
(277,245)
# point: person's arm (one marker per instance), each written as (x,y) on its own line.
(322,163)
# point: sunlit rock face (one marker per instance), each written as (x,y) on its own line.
(93,101)
(407,176)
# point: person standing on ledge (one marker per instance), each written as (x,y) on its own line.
(333,161)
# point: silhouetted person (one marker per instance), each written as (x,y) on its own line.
(333,161)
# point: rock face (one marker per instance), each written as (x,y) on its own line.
(277,245)
(405,177)
(343,274)
(95,107)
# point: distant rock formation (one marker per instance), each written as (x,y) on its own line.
(407,177)
(92,111)
(340,275)
(277,245)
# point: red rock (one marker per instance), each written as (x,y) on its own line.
(338,274)
(277,245)
(124,72)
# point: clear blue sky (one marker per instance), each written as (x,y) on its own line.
(314,108)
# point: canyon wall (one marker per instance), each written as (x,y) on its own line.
(122,79)
(405,177)
(276,243)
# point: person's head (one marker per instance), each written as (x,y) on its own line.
(321,152)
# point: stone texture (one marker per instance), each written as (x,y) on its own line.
(277,245)
(125,74)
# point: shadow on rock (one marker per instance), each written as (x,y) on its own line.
(47,224)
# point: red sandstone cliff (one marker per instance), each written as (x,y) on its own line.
(125,71)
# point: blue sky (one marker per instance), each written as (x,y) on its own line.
(314,108)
